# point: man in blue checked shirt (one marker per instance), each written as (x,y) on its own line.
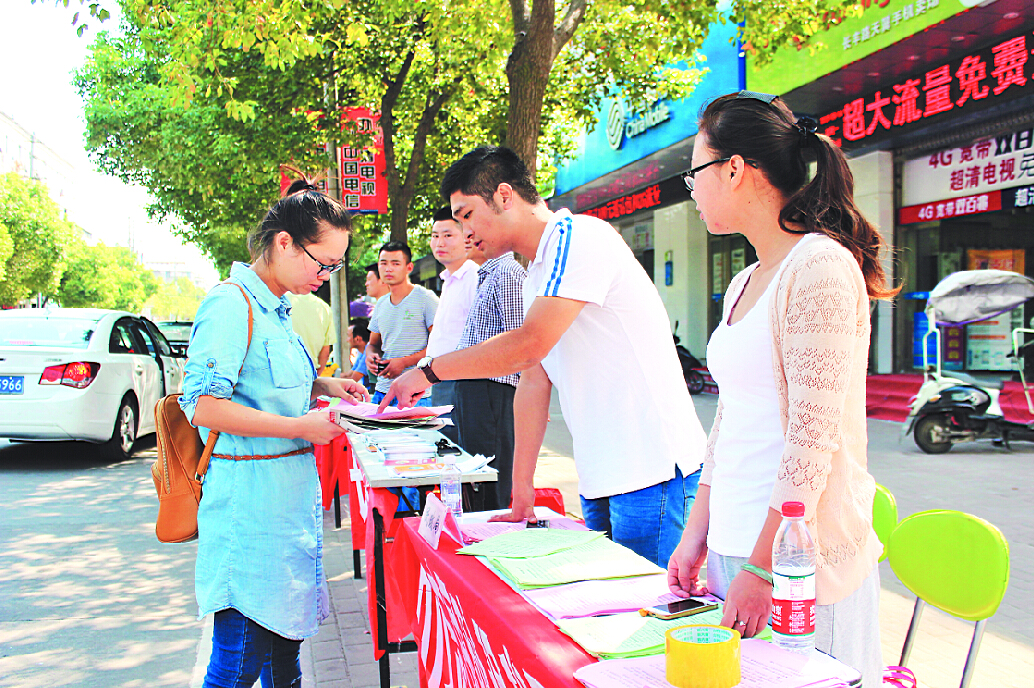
(483,413)
(594,326)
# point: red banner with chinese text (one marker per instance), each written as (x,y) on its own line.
(978,81)
(364,189)
(953,207)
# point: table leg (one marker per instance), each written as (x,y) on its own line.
(389,648)
(337,508)
(382,601)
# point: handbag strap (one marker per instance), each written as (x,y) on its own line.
(213,435)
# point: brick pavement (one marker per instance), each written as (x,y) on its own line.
(341,655)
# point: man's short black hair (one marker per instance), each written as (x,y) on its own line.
(482,170)
(372,267)
(361,328)
(393,246)
(443,214)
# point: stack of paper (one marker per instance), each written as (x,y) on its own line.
(530,542)
(403,448)
(632,635)
(477,532)
(594,560)
(589,598)
(364,416)
(627,634)
(762,665)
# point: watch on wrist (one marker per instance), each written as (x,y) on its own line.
(424,364)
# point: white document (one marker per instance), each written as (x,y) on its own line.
(762,665)
(590,598)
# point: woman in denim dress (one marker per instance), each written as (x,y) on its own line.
(259,567)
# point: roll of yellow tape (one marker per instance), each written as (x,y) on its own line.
(702,657)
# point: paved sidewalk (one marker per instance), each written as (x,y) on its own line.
(341,655)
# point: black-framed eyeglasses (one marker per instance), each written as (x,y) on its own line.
(687,177)
(324,269)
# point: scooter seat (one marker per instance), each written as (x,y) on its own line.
(969,379)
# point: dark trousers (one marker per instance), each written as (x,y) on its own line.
(444,394)
(484,417)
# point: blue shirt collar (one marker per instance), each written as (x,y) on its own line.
(242,273)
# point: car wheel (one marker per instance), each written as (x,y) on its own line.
(123,436)
(931,434)
(694,382)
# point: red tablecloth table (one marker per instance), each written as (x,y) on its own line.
(473,629)
(373,509)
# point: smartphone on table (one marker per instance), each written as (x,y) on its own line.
(676,610)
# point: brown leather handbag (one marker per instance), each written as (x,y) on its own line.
(182,463)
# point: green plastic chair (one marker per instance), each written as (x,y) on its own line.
(955,561)
(884,516)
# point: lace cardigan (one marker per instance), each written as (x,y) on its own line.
(820,346)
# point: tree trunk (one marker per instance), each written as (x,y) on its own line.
(536,46)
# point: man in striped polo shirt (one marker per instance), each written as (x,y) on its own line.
(401,322)
(594,327)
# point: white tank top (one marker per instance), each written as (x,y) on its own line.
(750,441)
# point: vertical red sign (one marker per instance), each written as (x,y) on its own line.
(364,188)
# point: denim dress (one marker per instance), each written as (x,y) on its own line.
(260,522)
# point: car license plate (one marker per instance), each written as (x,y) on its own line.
(12,384)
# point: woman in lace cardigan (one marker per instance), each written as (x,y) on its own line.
(790,360)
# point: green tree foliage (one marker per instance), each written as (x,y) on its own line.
(106,277)
(215,174)
(202,99)
(598,45)
(34,239)
(177,300)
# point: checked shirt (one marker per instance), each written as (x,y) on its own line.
(498,306)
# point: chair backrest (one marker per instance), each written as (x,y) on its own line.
(884,516)
(955,561)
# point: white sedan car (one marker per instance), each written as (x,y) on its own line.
(83,374)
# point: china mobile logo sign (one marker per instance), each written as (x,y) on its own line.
(978,81)
(454,650)
(620,126)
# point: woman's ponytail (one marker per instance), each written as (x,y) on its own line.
(826,204)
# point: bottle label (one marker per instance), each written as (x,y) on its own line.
(793,604)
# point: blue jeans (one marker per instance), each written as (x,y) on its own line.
(378,396)
(648,521)
(243,651)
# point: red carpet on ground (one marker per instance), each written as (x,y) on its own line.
(889,397)
(1014,402)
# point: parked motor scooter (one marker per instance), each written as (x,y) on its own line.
(954,408)
(694,380)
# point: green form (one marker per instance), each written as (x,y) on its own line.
(531,542)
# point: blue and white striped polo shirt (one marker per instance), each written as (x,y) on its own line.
(615,368)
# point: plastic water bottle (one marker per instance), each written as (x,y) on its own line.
(451,487)
(793,582)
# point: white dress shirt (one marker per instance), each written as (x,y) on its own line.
(458,291)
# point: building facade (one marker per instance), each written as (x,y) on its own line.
(933,102)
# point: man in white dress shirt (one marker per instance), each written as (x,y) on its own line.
(459,286)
